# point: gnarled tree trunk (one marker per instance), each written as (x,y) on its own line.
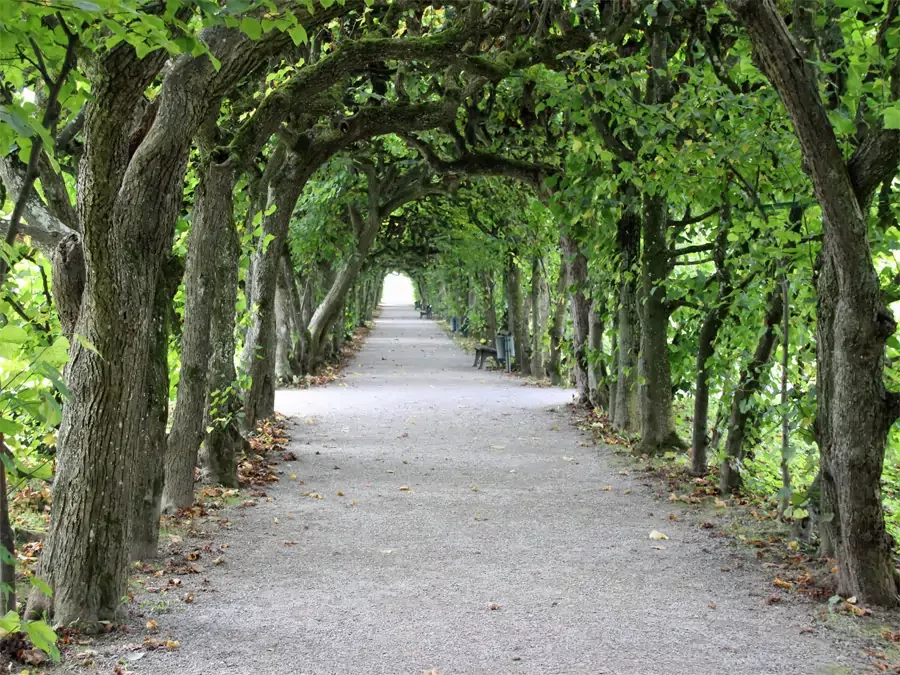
(540,303)
(855,412)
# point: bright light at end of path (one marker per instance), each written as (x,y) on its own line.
(398,290)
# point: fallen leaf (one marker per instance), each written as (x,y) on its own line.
(290,543)
(276,520)
(289,456)
(659,548)
(493,606)
(720,504)
(218,561)
(627,492)
(404,488)
(781,583)
(172,644)
(340,494)
(293,476)
(151,625)
(498,447)
(794,546)
(188,597)
(474,489)
(608,488)
(712,605)
(657,535)
(852,600)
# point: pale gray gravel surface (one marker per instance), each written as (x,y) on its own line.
(505,509)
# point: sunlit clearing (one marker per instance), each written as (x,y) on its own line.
(398,290)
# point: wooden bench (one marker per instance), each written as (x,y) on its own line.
(482,352)
(425,312)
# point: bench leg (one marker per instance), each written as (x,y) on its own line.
(476,360)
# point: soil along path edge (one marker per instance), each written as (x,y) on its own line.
(451,520)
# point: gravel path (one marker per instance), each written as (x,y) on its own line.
(504,555)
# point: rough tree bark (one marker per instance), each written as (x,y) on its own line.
(558,323)
(212,199)
(598,391)
(657,419)
(539,306)
(628,411)
(517,326)
(223,440)
(149,471)
(855,412)
(576,264)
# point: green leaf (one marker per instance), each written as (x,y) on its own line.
(86,6)
(298,35)
(9,427)
(251,27)
(43,637)
(42,586)
(10,622)
(13,334)
(892,118)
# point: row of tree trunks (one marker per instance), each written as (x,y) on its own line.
(282,192)
(331,309)
(212,211)
(517,321)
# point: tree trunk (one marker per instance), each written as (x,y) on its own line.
(150,468)
(750,383)
(855,412)
(558,324)
(517,326)
(598,390)
(539,317)
(259,348)
(331,306)
(628,410)
(576,262)
(657,419)
(207,229)
(490,308)
(223,439)
(284,372)
(705,350)
(7,541)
